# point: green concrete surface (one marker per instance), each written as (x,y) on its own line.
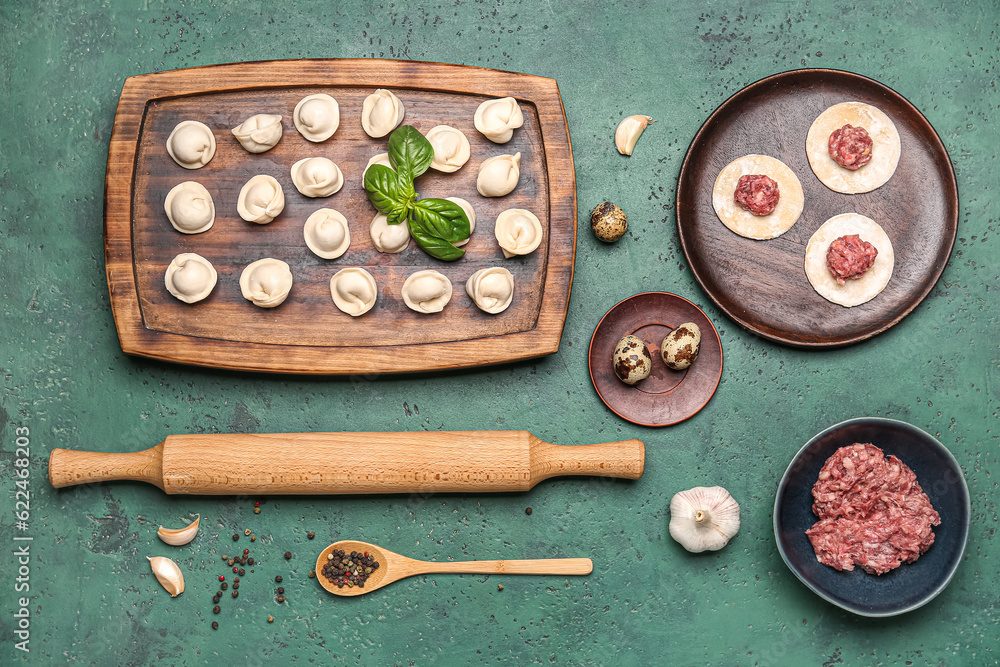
(92,598)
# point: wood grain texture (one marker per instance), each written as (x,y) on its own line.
(393,567)
(308,334)
(762,284)
(349,463)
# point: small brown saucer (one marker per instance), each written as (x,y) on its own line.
(666,397)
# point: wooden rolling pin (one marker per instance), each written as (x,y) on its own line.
(346,463)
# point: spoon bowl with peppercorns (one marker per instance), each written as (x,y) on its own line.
(350,567)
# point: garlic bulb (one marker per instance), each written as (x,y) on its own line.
(498,175)
(704,518)
(629,131)
(168,574)
(179,536)
(260,133)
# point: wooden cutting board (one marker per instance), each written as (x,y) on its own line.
(307,333)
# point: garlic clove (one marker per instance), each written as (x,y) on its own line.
(704,518)
(629,131)
(168,574)
(179,536)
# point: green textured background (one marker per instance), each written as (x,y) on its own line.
(93,599)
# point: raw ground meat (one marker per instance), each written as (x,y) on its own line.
(849,257)
(850,147)
(757,193)
(872,512)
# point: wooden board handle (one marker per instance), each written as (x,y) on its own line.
(349,463)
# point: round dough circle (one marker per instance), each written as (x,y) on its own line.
(426,291)
(316,117)
(266,282)
(190,277)
(874,280)
(353,290)
(190,208)
(327,234)
(758,227)
(885,148)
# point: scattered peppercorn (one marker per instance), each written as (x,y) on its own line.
(231,561)
(215,625)
(256,510)
(225,557)
(216,609)
(256,503)
(281,590)
(270,619)
(281,598)
(222,577)
(235,537)
(224,586)
(312,574)
(216,598)
(236,594)
(247,532)
(277,579)
(250,562)
(311,534)
(236,580)
(235,570)
(242,572)
(528,511)
(236,587)
(253,538)
(246,551)
(499,587)
(288,555)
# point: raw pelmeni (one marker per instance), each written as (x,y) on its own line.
(266,282)
(388,238)
(491,289)
(451,148)
(518,231)
(381,113)
(327,234)
(353,291)
(261,200)
(317,177)
(316,117)
(190,277)
(470,213)
(191,144)
(190,208)
(426,291)
(498,175)
(259,133)
(497,119)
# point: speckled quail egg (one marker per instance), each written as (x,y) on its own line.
(608,222)
(632,360)
(681,346)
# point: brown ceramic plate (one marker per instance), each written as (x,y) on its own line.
(762,284)
(307,333)
(666,397)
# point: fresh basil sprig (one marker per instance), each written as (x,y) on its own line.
(435,223)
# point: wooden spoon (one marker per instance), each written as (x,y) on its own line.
(393,567)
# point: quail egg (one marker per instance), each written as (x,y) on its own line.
(632,360)
(681,346)
(608,222)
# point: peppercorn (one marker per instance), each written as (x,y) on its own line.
(499,587)
(236,587)
(277,579)
(215,625)
(312,574)
(256,510)
(236,580)
(311,534)
(216,609)
(235,537)
(236,594)
(253,538)
(235,570)
(528,511)
(288,555)
(247,532)
(281,590)
(281,598)
(231,561)
(242,572)
(222,577)
(250,562)
(216,598)
(256,503)
(270,619)
(224,557)
(224,586)
(246,551)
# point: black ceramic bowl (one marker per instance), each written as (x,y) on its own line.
(908,586)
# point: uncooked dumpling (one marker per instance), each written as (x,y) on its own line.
(381,113)
(266,282)
(261,200)
(316,117)
(259,133)
(353,291)
(426,291)
(190,208)
(327,234)
(491,289)
(190,277)
(497,119)
(518,231)
(498,175)
(451,148)
(191,144)
(382,159)
(389,238)
(469,212)
(317,177)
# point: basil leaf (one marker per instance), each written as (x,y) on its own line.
(442,218)
(410,152)
(383,188)
(434,246)
(398,213)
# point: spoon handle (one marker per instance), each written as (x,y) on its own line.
(533,566)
